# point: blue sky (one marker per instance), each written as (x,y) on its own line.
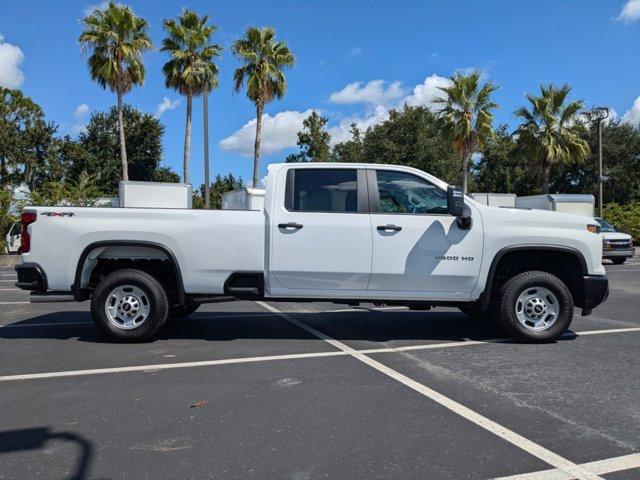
(398,52)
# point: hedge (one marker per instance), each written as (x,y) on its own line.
(625,218)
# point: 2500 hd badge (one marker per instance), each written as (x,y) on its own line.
(454,258)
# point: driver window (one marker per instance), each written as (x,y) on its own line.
(405,193)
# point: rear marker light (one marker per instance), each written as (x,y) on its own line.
(26,219)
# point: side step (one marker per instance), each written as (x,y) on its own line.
(37,297)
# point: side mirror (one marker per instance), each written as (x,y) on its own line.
(455,201)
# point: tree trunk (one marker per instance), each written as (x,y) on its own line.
(464,169)
(546,170)
(187,141)
(256,147)
(123,147)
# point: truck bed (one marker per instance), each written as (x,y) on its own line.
(207,244)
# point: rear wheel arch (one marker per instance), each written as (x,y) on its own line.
(567,263)
(80,292)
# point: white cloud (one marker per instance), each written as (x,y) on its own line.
(427,92)
(89,9)
(374,92)
(80,114)
(355,52)
(166,104)
(11,58)
(630,12)
(632,116)
(278,133)
(81,111)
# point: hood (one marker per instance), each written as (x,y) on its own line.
(541,217)
(615,236)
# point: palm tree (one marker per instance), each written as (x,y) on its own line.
(466,115)
(551,131)
(116,38)
(263,60)
(190,70)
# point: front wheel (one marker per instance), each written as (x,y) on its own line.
(129,306)
(535,307)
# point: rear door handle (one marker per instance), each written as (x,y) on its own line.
(295,225)
(389,228)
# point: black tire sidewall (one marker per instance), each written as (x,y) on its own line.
(618,260)
(510,292)
(158,306)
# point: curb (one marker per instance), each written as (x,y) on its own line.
(9,260)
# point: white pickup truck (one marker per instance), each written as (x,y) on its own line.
(345,233)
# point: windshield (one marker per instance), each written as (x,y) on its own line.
(605,226)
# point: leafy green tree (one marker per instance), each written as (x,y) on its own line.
(351,151)
(551,132)
(6,218)
(143,134)
(116,38)
(621,166)
(313,140)
(218,187)
(25,141)
(466,112)
(166,175)
(190,70)
(500,169)
(263,61)
(413,137)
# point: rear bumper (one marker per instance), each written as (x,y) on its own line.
(596,291)
(619,253)
(31,277)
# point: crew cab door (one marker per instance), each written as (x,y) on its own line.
(418,247)
(320,235)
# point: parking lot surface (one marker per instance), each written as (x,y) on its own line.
(267,390)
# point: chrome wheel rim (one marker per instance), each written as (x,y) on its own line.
(127,307)
(537,308)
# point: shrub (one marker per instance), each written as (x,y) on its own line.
(625,218)
(6,218)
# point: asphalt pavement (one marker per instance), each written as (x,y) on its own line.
(301,391)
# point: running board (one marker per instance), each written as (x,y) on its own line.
(47,297)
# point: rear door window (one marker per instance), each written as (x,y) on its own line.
(322,190)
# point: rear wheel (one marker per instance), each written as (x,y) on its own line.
(129,306)
(619,260)
(535,307)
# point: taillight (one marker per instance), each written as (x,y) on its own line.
(26,219)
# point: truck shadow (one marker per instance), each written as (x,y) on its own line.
(42,438)
(358,324)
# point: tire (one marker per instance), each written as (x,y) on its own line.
(475,312)
(129,306)
(525,304)
(181,311)
(618,260)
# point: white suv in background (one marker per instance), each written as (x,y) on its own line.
(616,246)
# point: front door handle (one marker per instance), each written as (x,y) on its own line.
(389,228)
(295,225)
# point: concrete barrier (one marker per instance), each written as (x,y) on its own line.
(9,260)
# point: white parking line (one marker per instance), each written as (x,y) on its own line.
(532,448)
(10,290)
(13,303)
(599,467)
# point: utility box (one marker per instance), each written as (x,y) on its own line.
(495,199)
(155,195)
(243,199)
(577,204)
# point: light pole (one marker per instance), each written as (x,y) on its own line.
(601,115)
(205,105)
